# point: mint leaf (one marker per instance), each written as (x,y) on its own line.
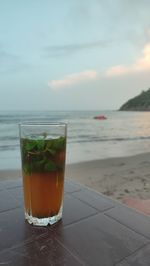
(30,145)
(40,144)
(42,155)
(50,166)
(59,144)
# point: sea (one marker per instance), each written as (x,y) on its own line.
(121,134)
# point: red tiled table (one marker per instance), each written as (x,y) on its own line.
(95,230)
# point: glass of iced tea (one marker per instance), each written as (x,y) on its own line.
(43,153)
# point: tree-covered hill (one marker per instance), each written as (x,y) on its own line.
(139,103)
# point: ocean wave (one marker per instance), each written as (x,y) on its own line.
(5,138)
(115,139)
(9,147)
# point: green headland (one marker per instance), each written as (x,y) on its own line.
(140,102)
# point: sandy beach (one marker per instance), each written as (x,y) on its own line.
(115,177)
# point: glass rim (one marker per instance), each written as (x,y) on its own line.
(41,123)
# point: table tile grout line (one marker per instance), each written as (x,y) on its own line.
(27,241)
(71,253)
(86,188)
(106,209)
(8,210)
(98,213)
(78,221)
(68,192)
(122,260)
(127,226)
(138,249)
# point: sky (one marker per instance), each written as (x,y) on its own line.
(73,54)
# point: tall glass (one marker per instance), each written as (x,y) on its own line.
(43,153)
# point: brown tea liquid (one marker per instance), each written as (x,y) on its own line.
(43,193)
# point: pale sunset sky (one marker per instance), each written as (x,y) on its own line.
(73,54)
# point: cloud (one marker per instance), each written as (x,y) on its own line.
(141,64)
(73,79)
(61,50)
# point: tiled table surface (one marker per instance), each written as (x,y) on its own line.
(95,230)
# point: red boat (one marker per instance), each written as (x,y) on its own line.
(100,117)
